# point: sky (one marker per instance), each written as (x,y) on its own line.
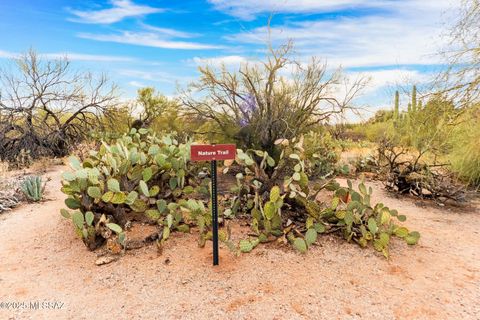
(161,43)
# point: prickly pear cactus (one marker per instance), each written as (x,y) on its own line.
(149,178)
(291,212)
(139,177)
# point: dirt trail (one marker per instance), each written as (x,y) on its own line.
(41,259)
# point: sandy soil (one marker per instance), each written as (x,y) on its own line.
(42,260)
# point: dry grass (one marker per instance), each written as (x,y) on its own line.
(83,149)
(3,168)
(352,155)
(41,165)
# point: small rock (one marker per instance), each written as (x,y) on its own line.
(105,260)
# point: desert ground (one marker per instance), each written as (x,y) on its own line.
(42,260)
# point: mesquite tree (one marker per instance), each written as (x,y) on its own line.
(461,79)
(45,107)
(271,99)
(152,108)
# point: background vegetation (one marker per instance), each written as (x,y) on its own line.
(284,117)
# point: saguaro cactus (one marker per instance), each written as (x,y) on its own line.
(414,99)
(396,110)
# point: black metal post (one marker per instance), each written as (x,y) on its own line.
(213,173)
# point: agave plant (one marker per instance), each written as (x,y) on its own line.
(33,188)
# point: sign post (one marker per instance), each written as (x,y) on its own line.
(213,170)
(212,153)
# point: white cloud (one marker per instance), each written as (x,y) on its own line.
(8,55)
(154,76)
(137,84)
(72,56)
(229,61)
(167,32)
(87,57)
(408,34)
(149,39)
(394,34)
(390,78)
(121,9)
(248,9)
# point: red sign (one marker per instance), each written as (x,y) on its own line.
(208,152)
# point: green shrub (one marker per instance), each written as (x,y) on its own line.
(375,132)
(465,152)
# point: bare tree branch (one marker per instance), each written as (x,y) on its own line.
(45,107)
(276,98)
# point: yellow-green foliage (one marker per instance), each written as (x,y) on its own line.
(154,110)
(117,120)
(425,127)
(209,130)
(465,142)
(375,132)
(376,129)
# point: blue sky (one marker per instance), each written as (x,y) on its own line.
(161,43)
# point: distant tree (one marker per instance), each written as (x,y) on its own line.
(461,79)
(423,127)
(117,120)
(153,109)
(45,107)
(150,105)
(382,116)
(267,100)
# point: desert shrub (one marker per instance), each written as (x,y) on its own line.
(258,104)
(160,113)
(413,145)
(152,110)
(423,126)
(23,159)
(33,188)
(347,131)
(8,201)
(465,153)
(9,197)
(405,173)
(375,132)
(46,107)
(116,121)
